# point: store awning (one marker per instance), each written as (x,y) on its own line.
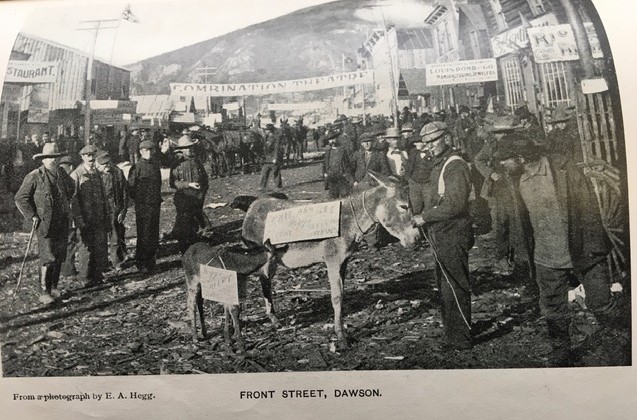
(412,82)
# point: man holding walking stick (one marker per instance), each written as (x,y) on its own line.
(44,199)
(448,229)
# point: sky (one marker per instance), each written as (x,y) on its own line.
(168,25)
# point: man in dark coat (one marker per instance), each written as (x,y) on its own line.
(367,159)
(449,232)
(115,191)
(337,168)
(569,237)
(68,266)
(133,147)
(144,188)
(93,224)
(44,199)
(273,152)
(189,178)
(417,173)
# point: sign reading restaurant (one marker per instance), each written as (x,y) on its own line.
(28,72)
(458,72)
(268,88)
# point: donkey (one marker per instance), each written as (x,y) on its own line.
(386,204)
(244,262)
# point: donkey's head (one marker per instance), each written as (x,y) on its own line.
(389,204)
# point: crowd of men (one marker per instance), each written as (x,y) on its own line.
(461,168)
(77,210)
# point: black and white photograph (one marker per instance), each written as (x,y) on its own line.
(207,187)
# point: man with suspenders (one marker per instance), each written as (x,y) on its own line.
(448,229)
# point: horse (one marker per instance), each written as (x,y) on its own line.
(386,204)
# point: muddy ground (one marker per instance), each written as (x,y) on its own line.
(138,325)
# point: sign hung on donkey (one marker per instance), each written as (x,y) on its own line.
(312,221)
(220,285)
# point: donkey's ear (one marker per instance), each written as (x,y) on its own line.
(268,245)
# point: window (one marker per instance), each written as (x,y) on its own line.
(513,82)
(554,84)
(537,6)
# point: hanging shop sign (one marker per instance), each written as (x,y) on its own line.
(31,72)
(517,38)
(268,88)
(553,43)
(460,72)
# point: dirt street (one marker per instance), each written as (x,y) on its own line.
(135,325)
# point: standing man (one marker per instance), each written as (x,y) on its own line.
(449,232)
(93,222)
(116,195)
(337,169)
(133,147)
(44,199)
(396,157)
(68,266)
(144,187)
(568,234)
(418,173)
(368,159)
(188,176)
(273,152)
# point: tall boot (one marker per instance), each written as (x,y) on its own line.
(561,355)
(45,282)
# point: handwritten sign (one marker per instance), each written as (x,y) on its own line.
(302,223)
(219,285)
(516,38)
(457,72)
(553,43)
(268,88)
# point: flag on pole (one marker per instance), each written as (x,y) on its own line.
(128,15)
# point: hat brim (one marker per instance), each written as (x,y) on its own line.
(501,129)
(48,155)
(186,146)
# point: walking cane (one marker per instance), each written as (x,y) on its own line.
(24,260)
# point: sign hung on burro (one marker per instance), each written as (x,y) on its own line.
(219,285)
(458,72)
(312,221)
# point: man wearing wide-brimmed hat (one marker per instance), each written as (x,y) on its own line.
(44,199)
(448,229)
(115,191)
(337,167)
(188,176)
(144,188)
(499,189)
(564,136)
(93,222)
(347,134)
(569,238)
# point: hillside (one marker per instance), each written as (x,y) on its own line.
(302,44)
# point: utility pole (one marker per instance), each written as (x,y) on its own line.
(97,26)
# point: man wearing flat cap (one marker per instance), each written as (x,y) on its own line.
(144,188)
(448,229)
(93,224)
(115,190)
(337,168)
(367,159)
(569,238)
(188,176)
(44,199)
(417,173)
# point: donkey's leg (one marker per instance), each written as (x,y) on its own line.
(336,288)
(226,324)
(266,288)
(191,304)
(202,320)
(236,321)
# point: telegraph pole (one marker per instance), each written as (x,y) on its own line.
(97,26)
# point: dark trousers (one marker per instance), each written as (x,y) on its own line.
(116,243)
(188,220)
(147,220)
(68,266)
(554,285)
(451,247)
(503,214)
(266,169)
(92,253)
